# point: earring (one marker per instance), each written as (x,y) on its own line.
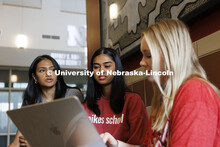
(35,81)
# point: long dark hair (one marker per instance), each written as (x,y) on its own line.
(94,90)
(33,91)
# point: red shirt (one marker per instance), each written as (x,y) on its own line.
(129,126)
(195,116)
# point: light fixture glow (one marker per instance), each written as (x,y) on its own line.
(14,78)
(113,11)
(21,41)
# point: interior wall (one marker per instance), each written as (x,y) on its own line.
(49,19)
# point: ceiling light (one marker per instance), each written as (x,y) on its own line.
(21,41)
(14,78)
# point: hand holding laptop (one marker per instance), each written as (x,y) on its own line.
(23,142)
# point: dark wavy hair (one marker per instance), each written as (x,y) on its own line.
(33,91)
(94,90)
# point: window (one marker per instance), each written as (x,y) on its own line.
(11,92)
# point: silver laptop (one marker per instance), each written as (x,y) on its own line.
(61,123)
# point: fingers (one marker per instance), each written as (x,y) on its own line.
(23,141)
(28,145)
(109,140)
(105,137)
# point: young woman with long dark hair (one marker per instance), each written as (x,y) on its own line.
(109,105)
(44,86)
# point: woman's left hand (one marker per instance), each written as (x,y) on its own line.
(23,142)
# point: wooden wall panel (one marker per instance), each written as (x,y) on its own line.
(139,88)
(93,27)
(149,92)
(211,64)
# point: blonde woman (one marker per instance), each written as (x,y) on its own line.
(185,106)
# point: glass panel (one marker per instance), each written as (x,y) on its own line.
(84,90)
(77,79)
(71,85)
(3,108)
(12,137)
(3,141)
(16,102)
(4,78)
(19,78)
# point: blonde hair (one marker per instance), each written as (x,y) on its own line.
(170,40)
